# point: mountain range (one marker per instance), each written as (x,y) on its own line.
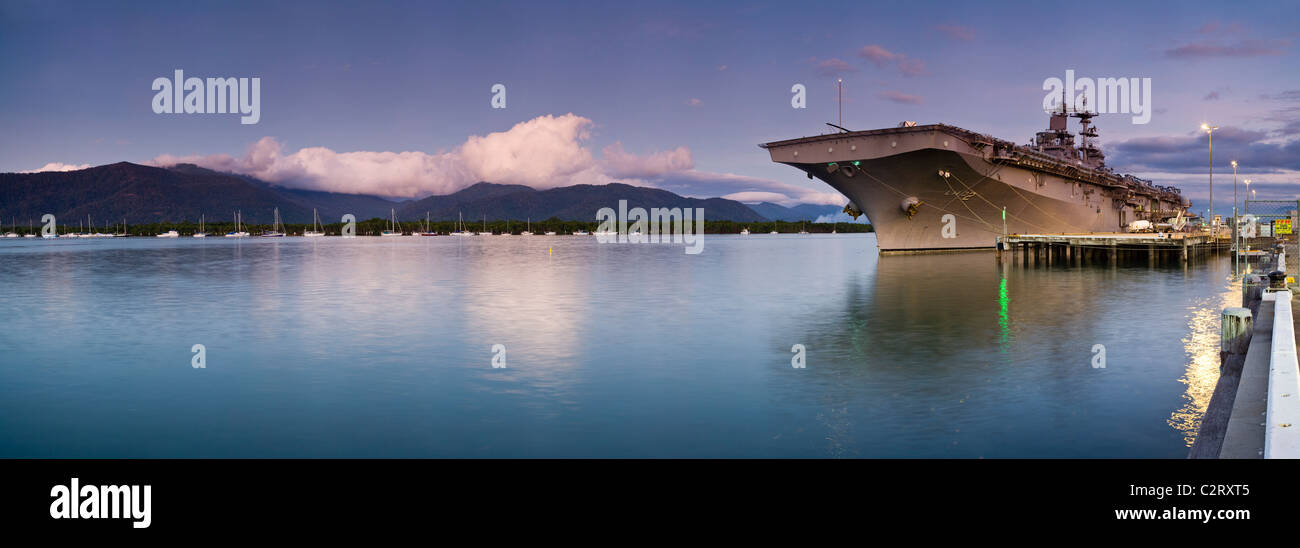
(147,194)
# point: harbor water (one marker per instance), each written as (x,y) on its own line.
(385,347)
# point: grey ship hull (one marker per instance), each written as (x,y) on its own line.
(958,180)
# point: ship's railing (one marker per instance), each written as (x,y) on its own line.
(1032,158)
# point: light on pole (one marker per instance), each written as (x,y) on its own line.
(1236,230)
(1210,130)
(1250,195)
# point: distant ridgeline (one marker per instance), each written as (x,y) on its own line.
(144,195)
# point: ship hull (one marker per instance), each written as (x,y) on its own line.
(934,191)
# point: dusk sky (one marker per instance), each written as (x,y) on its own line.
(394,98)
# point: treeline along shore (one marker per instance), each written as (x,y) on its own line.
(374,226)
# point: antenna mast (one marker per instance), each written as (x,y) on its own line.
(839,87)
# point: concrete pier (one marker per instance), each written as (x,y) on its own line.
(1255,409)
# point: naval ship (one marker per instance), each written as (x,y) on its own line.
(943,188)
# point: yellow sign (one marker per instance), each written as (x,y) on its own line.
(1282,226)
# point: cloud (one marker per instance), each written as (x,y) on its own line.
(754,197)
(58,166)
(1214,27)
(1256,151)
(1243,48)
(1287,111)
(882,57)
(697,183)
(902,98)
(878,55)
(831,67)
(620,164)
(957,32)
(545,152)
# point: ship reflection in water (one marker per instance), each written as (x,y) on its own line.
(382,347)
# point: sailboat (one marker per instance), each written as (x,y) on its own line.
(315,225)
(13,233)
(802,229)
(31,232)
(485,230)
(744,231)
(93,232)
(238,233)
(528,232)
(393,229)
(427,225)
(460,227)
(275,227)
(201,233)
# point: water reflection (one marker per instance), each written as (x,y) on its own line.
(381,347)
(1202,347)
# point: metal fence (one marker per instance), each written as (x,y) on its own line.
(1267,223)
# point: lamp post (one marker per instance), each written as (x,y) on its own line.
(1236,230)
(1250,195)
(1210,130)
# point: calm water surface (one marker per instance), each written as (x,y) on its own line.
(382,347)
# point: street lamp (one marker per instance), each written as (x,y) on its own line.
(1250,195)
(1210,130)
(1236,230)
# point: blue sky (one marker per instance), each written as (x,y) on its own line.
(672,94)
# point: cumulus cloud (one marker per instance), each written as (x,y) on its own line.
(545,152)
(58,166)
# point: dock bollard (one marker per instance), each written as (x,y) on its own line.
(1252,289)
(1234,331)
(1276,280)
